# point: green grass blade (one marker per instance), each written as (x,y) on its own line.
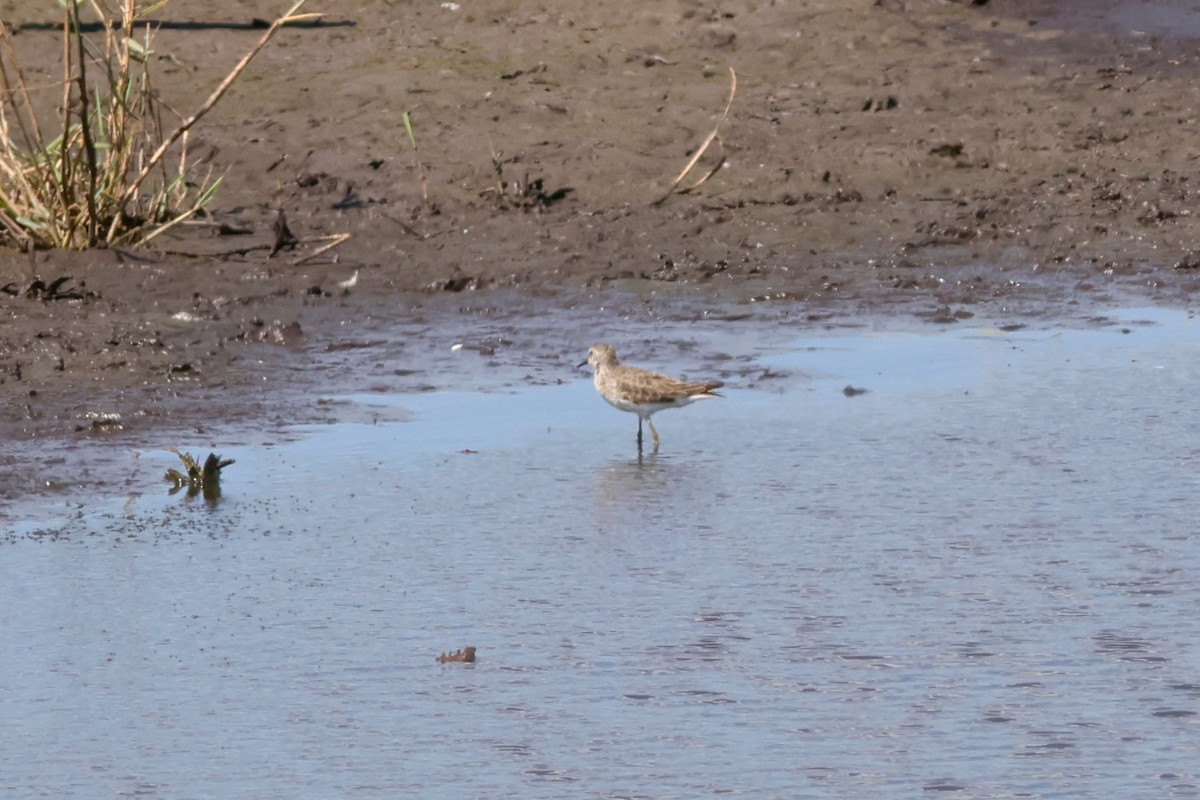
(409,129)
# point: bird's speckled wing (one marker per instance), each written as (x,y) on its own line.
(642,386)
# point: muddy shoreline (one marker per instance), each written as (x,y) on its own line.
(938,162)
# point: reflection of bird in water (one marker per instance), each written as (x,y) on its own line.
(641,391)
(628,490)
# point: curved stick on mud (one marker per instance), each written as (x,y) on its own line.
(714,136)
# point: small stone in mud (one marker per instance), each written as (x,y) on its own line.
(274,332)
(101,422)
(886,104)
(948,150)
(944,315)
(482,349)
(853,391)
(458,284)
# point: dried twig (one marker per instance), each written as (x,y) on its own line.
(406,118)
(334,240)
(714,136)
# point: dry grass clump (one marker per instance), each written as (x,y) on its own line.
(110,165)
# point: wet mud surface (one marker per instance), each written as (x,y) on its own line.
(937,161)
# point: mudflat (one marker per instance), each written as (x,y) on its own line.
(938,160)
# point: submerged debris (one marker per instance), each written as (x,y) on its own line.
(522,195)
(198,479)
(55,290)
(464,656)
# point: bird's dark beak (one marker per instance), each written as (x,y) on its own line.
(581,364)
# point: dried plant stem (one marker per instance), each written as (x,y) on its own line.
(700,151)
(406,118)
(334,240)
(85,130)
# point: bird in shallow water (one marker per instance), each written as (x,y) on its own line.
(640,391)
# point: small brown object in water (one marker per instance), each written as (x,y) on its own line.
(465,656)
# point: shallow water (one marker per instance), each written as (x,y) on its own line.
(1157,18)
(980,578)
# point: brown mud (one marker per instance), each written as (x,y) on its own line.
(935,160)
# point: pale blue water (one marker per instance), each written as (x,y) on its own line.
(1158,18)
(981,578)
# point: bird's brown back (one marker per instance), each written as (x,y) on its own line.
(644,386)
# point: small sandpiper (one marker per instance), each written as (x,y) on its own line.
(641,391)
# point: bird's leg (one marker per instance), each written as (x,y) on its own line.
(640,435)
(650,422)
